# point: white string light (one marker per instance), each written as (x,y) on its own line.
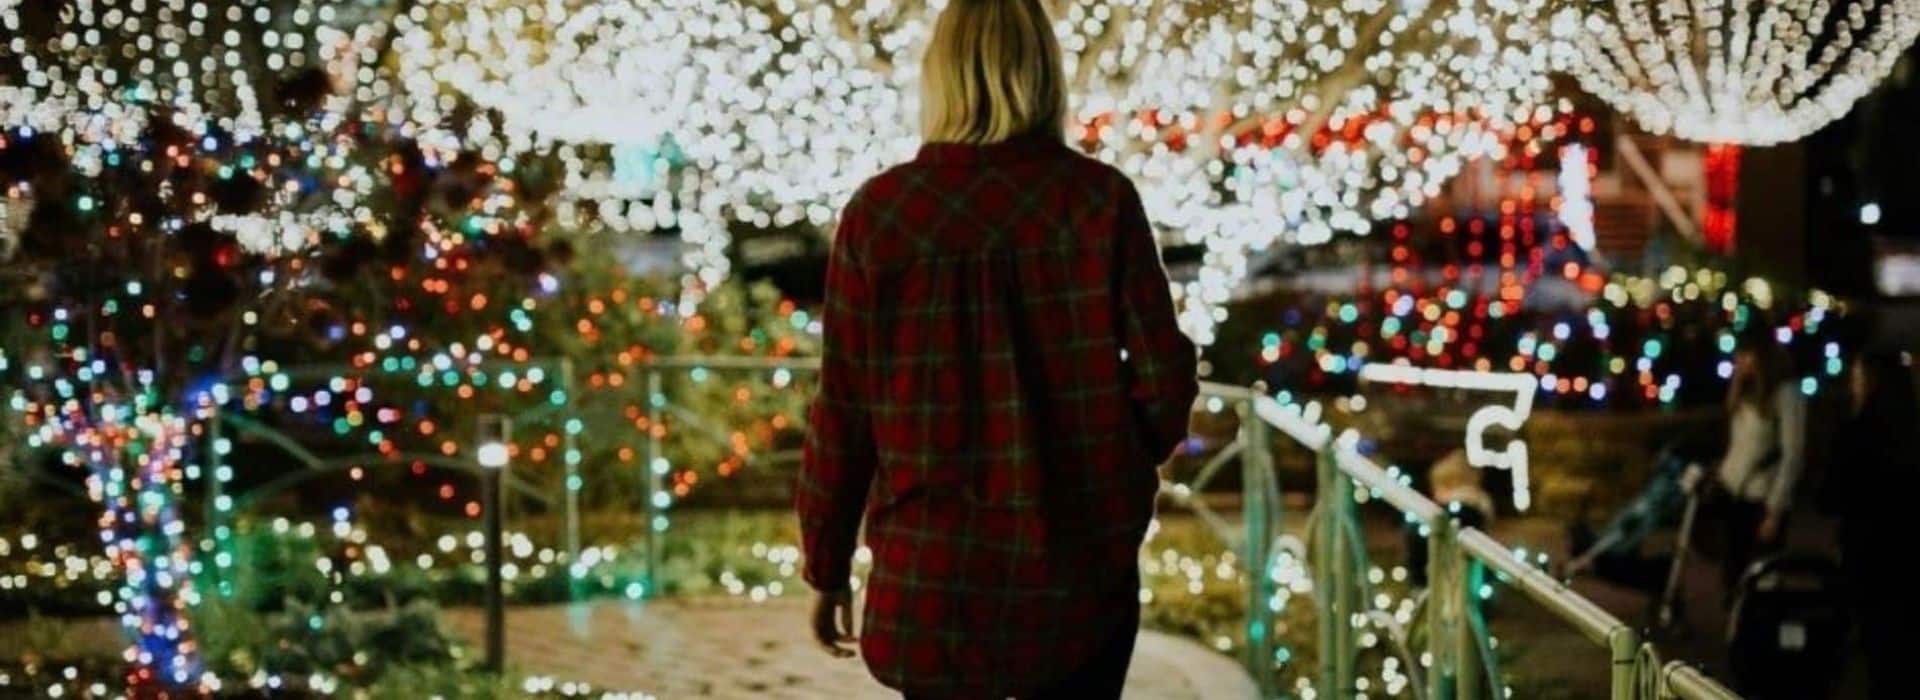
(1248,125)
(1576,195)
(1734,71)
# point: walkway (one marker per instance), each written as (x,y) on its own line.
(724,647)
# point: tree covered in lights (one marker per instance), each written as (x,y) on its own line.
(191,192)
(1250,125)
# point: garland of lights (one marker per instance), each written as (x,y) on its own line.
(1735,71)
(1581,360)
(1248,125)
(1476,290)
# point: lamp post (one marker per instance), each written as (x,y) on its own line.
(492,456)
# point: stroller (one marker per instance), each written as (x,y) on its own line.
(1671,495)
(1787,634)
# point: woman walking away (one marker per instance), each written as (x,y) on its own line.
(1766,453)
(1876,467)
(1001,376)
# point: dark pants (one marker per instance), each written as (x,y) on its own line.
(1882,608)
(1100,677)
(1883,621)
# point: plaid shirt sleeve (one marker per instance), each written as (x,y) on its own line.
(1160,361)
(839,458)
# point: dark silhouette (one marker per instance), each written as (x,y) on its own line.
(1876,467)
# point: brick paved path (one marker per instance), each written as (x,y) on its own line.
(731,648)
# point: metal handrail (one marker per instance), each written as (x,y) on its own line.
(731,362)
(1689,683)
(1454,627)
(1596,624)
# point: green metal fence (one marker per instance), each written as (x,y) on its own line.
(653,374)
(221,425)
(1457,653)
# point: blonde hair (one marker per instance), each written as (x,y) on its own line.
(992,72)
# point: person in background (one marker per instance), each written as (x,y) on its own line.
(1766,453)
(1876,467)
(1002,374)
(1457,486)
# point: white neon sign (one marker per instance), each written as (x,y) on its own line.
(1514,457)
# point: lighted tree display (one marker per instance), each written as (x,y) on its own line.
(1249,125)
(192,195)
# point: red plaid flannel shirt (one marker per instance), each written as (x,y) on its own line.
(1002,373)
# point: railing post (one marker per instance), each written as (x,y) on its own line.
(570,456)
(1260,513)
(1623,648)
(216,516)
(656,470)
(1471,677)
(1445,581)
(1335,594)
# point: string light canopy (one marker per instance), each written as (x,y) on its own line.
(1248,125)
(1735,71)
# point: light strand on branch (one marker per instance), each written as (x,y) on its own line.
(1250,126)
(1734,71)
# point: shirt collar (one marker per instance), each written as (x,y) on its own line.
(1018,148)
